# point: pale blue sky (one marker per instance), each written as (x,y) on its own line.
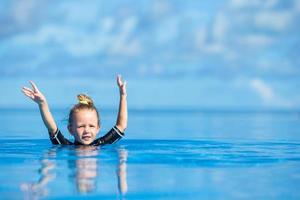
(229,54)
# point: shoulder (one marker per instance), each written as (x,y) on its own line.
(58,138)
(112,136)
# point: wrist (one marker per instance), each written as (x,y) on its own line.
(123,95)
(42,103)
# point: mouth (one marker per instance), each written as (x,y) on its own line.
(86,137)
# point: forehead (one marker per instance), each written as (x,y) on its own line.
(87,114)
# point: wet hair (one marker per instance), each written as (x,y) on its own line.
(84,103)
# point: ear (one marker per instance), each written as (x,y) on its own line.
(98,129)
(70,129)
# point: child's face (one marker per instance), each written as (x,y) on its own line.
(84,126)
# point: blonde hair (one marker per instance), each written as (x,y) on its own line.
(84,99)
(84,102)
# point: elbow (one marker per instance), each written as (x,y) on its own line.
(122,127)
(52,131)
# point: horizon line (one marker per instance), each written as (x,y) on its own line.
(171,109)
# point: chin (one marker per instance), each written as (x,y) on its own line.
(87,142)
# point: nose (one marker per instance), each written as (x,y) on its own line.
(87,129)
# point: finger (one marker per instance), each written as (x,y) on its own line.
(27,89)
(35,89)
(119,81)
(28,94)
(123,88)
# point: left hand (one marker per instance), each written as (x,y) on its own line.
(34,93)
(122,85)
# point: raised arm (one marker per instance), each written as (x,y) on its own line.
(122,115)
(34,94)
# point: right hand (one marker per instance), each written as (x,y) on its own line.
(34,93)
(121,85)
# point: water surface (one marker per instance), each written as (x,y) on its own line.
(151,169)
(166,154)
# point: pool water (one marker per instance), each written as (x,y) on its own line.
(190,164)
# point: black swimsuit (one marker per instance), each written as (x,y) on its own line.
(111,137)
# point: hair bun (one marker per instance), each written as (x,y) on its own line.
(84,99)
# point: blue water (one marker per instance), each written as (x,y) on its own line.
(170,154)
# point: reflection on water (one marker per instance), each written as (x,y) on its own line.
(203,169)
(46,172)
(86,168)
(121,171)
(83,163)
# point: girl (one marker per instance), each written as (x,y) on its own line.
(84,121)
